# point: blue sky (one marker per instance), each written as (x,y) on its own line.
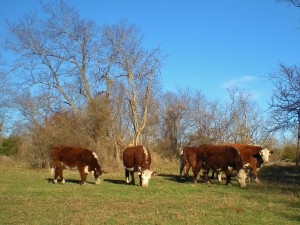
(211,45)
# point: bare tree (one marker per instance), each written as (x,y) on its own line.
(136,69)
(65,61)
(57,55)
(175,107)
(5,95)
(285,101)
(293,2)
(202,114)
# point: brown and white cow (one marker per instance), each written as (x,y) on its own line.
(219,158)
(83,159)
(137,159)
(253,155)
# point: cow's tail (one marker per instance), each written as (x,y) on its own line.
(182,163)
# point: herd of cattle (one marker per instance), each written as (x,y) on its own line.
(240,160)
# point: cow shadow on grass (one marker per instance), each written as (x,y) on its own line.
(177,178)
(112,181)
(285,174)
(72,181)
(171,177)
(189,179)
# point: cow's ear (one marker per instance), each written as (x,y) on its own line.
(154,173)
(271,152)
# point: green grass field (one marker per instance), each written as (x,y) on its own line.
(28,197)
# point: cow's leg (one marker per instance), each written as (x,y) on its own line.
(59,173)
(127,176)
(250,177)
(219,175)
(187,167)
(140,176)
(55,175)
(212,175)
(205,176)
(228,177)
(83,178)
(132,177)
(182,164)
(196,171)
(83,170)
(255,174)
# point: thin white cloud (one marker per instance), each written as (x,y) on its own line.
(239,82)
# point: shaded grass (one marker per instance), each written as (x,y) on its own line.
(29,197)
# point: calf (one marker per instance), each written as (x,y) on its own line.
(137,159)
(83,159)
(218,158)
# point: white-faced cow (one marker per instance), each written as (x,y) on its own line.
(254,156)
(218,158)
(137,159)
(83,159)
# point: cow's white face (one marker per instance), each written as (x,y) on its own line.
(146,176)
(98,175)
(241,177)
(265,153)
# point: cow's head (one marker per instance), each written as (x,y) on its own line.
(265,153)
(241,177)
(98,175)
(145,177)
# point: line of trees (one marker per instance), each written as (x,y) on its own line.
(99,87)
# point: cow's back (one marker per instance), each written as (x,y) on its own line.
(249,153)
(137,156)
(216,156)
(72,156)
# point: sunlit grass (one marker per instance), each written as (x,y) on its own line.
(29,197)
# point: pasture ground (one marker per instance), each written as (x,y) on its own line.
(28,197)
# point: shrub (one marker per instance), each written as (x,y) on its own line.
(9,146)
(289,152)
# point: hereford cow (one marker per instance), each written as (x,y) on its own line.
(218,158)
(137,159)
(83,159)
(255,156)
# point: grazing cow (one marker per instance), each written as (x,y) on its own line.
(83,159)
(137,159)
(253,155)
(218,158)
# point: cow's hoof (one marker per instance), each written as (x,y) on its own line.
(63,181)
(54,181)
